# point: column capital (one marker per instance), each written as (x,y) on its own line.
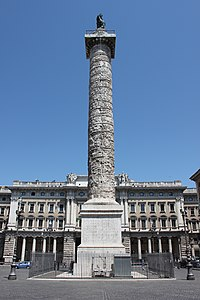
(104,37)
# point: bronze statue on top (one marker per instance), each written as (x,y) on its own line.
(100,22)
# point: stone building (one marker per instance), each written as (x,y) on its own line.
(45,217)
(5,195)
(196,178)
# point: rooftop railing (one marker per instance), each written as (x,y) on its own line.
(100,31)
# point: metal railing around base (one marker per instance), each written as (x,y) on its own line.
(41,263)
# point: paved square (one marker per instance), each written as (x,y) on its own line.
(98,289)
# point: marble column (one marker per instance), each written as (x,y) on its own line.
(44,245)
(68,212)
(159,245)
(126,211)
(34,245)
(54,247)
(101,180)
(139,249)
(72,212)
(149,246)
(101,214)
(23,249)
(122,205)
(170,244)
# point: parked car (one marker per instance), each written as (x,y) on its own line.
(23,264)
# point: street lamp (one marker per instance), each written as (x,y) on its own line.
(12,275)
(50,230)
(154,234)
(190,275)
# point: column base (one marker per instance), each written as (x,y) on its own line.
(96,260)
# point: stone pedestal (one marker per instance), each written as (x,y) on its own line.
(100,239)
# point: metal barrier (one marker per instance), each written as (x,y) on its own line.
(140,271)
(155,265)
(41,263)
(122,266)
(161,265)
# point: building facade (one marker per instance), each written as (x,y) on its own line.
(196,178)
(45,217)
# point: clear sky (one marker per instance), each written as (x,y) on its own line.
(44,78)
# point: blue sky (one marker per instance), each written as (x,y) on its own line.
(44,79)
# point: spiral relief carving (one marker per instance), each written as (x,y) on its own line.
(101,182)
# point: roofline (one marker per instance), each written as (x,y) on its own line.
(195,175)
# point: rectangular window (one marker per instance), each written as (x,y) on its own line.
(192,211)
(163,223)
(132,207)
(133,224)
(152,207)
(142,207)
(194,225)
(173,223)
(153,223)
(171,207)
(30,223)
(40,223)
(60,224)
(31,207)
(51,208)
(143,224)
(61,208)
(2,210)
(41,208)
(162,207)
(20,223)
(22,207)
(50,225)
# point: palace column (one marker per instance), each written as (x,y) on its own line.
(54,247)
(139,248)
(44,245)
(159,244)
(23,249)
(67,212)
(34,244)
(149,245)
(170,244)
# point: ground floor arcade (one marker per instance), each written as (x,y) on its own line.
(64,244)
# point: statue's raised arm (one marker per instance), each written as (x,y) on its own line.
(100,22)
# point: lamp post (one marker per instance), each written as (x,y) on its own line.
(190,275)
(50,230)
(154,234)
(12,275)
